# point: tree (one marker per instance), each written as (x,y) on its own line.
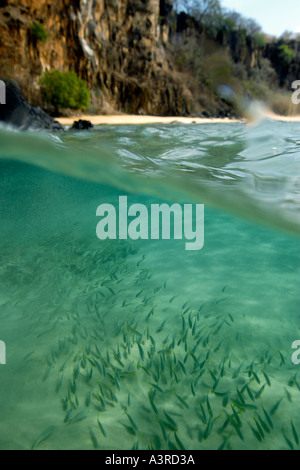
(252,27)
(206,12)
(241,23)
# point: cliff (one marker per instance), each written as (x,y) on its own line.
(116,46)
(133,54)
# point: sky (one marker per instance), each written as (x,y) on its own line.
(275,16)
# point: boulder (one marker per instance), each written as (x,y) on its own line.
(82,125)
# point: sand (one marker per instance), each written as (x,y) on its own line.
(127,119)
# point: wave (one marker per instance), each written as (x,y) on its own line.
(251,171)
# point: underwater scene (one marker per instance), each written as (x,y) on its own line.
(123,344)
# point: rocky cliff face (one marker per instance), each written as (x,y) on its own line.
(137,56)
(116,46)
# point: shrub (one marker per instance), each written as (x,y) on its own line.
(64,90)
(38,32)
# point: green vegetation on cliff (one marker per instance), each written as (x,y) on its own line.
(38,32)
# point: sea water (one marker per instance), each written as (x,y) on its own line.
(141,344)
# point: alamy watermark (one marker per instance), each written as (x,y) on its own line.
(136,223)
(296,94)
(2,353)
(2,92)
(296,355)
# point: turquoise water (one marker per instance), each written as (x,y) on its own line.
(123,344)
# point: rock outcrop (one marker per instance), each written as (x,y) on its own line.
(82,125)
(18,113)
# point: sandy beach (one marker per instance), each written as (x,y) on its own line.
(127,119)
(277,117)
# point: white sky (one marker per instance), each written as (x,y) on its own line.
(275,16)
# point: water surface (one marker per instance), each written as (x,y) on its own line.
(123,344)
